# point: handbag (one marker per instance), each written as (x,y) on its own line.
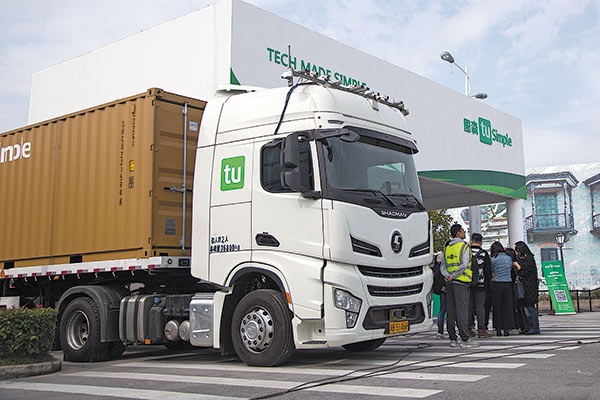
(519,289)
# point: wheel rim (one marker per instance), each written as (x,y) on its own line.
(256,330)
(78,330)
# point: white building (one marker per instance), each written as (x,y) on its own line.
(469,152)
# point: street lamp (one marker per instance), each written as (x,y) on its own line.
(446,56)
(474,211)
(560,241)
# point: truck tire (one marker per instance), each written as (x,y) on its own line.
(261,329)
(80,332)
(367,345)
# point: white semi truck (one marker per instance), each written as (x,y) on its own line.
(308,231)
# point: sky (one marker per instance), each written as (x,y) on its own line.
(536,60)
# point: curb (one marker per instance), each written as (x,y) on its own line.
(23,370)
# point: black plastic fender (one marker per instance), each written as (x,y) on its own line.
(107,299)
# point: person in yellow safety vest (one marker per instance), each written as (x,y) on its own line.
(456,270)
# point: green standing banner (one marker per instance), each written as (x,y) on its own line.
(554,273)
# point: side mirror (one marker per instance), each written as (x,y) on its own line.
(292,176)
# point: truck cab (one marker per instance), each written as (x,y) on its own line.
(311,221)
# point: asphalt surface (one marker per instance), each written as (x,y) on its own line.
(561,363)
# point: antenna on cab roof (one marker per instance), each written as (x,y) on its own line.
(325,81)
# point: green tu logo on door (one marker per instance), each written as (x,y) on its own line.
(232,173)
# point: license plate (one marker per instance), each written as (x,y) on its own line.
(397,327)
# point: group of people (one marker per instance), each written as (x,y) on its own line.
(472,283)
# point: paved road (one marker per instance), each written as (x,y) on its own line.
(549,366)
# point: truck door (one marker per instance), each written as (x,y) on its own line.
(287,228)
(282,219)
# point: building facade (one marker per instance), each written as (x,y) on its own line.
(566,199)
(232,43)
(560,199)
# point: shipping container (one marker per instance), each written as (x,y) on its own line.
(103,183)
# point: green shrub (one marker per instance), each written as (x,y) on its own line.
(27,333)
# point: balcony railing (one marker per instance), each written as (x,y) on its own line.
(550,222)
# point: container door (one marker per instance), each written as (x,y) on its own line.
(168,223)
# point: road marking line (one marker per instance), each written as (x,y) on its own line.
(110,391)
(545,333)
(508,341)
(446,364)
(494,347)
(480,355)
(260,383)
(302,371)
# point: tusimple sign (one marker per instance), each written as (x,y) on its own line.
(487,135)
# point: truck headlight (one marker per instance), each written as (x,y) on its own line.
(345,301)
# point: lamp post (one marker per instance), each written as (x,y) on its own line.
(560,241)
(474,211)
(446,56)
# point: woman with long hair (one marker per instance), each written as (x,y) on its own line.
(502,290)
(518,313)
(529,277)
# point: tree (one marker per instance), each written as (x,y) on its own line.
(440,223)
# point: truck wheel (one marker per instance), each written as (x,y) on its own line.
(367,345)
(261,330)
(80,331)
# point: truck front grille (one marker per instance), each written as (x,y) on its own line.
(390,272)
(358,246)
(379,317)
(395,291)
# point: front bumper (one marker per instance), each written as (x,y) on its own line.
(380,295)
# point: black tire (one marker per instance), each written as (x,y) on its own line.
(80,331)
(261,329)
(367,345)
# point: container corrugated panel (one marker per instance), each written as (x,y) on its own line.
(96,185)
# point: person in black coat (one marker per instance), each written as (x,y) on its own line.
(519,314)
(529,277)
(481,287)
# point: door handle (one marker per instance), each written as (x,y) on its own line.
(265,239)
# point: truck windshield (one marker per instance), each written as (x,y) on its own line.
(373,166)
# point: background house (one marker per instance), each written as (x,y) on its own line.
(566,199)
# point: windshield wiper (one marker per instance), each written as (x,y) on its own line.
(389,199)
(410,196)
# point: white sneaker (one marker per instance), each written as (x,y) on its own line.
(469,345)
(453,343)
(439,336)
